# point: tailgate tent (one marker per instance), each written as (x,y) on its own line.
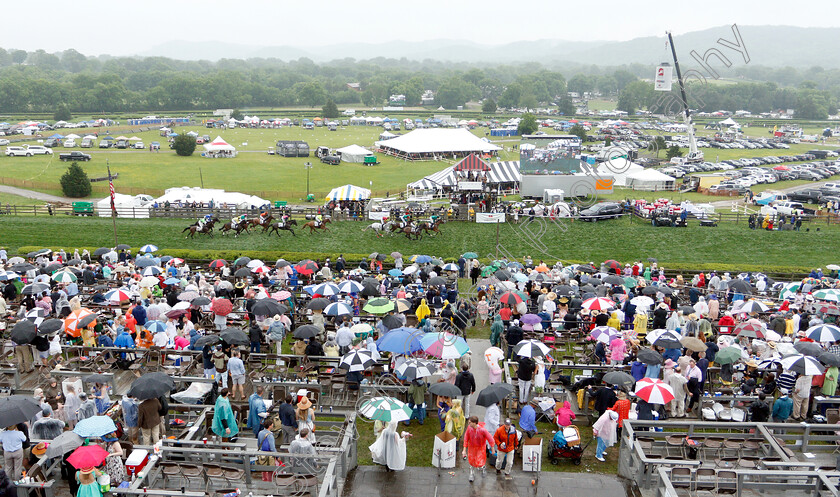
(219,145)
(354,153)
(427,144)
(349,192)
(651,180)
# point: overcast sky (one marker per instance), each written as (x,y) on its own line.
(120,28)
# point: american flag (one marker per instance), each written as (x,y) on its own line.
(111,185)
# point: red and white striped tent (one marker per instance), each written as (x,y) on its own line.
(471,163)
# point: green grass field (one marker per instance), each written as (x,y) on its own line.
(623,240)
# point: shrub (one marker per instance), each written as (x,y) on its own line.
(75,182)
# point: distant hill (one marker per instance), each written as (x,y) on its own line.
(774,46)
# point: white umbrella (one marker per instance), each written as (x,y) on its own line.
(531,348)
(754,306)
(824,333)
(654,391)
(803,364)
(642,301)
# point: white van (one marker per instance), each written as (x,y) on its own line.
(69,143)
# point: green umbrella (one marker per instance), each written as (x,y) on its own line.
(64,277)
(630,282)
(488,271)
(379,306)
(437,262)
(728,355)
(470,255)
(385,409)
(242,261)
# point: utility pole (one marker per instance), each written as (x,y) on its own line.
(201,176)
(308,166)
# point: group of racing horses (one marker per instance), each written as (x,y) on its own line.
(412,230)
(263,224)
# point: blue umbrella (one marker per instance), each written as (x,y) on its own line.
(155,326)
(421,259)
(350,286)
(96,426)
(401,341)
(326,289)
(520,277)
(171,281)
(395,272)
(148,249)
(338,309)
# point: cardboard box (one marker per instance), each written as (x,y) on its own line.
(532,454)
(444,451)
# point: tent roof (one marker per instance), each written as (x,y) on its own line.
(349,192)
(354,150)
(472,163)
(729,122)
(500,172)
(205,195)
(437,140)
(649,175)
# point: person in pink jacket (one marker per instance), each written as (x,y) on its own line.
(564,415)
(618,349)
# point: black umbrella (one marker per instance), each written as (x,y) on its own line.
(306,331)
(207,340)
(564,290)
(267,307)
(650,291)
(97,378)
(35,289)
(381,257)
(587,288)
(391,321)
(74,262)
(24,332)
(619,378)
(145,262)
(17,409)
(502,275)
(812,349)
(50,326)
(494,394)
(282,263)
(242,261)
(235,336)
(85,321)
(649,356)
(200,301)
(101,251)
(63,444)
(829,359)
(51,268)
(122,246)
(740,286)
(165,259)
(613,280)
(436,281)
(21,267)
(151,386)
(667,341)
(445,389)
(369,290)
(318,304)
(242,272)
(586,269)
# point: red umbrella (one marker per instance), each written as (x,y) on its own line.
(88,456)
(306,267)
(510,298)
(654,391)
(218,264)
(598,304)
(614,265)
(222,307)
(751,330)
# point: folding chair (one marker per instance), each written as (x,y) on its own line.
(727,482)
(674,442)
(215,476)
(705,480)
(192,472)
(681,478)
(307,483)
(233,474)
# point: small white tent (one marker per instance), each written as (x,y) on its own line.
(126,205)
(219,148)
(619,168)
(651,180)
(730,122)
(353,153)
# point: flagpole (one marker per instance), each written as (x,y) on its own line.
(113,205)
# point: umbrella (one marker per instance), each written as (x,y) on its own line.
(338,309)
(613,280)
(469,255)
(17,409)
(326,289)
(361,329)
(145,262)
(350,286)
(101,251)
(357,360)
(401,341)
(155,326)
(828,309)
(604,334)
(494,394)
(235,336)
(598,304)
(117,296)
(395,272)
(306,331)
(771,363)
(802,364)
(73,322)
(379,306)
(97,378)
(642,301)
(318,304)
(415,368)
(396,255)
(824,333)
(267,307)
(502,275)
(650,356)
(510,298)
(306,267)
(35,289)
(149,281)
(50,326)
(420,259)
(187,296)
(255,263)
(24,332)
(450,267)
(654,391)
(530,319)
(63,444)
(385,409)
(493,355)
(619,378)
(88,456)
(650,290)
(436,281)
(809,348)
(686,309)
(97,426)
(750,330)
(739,286)
(445,389)
(728,355)
(402,305)
(754,306)
(200,301)
(242,272)
(64,277)
(391,322)
(668,340)
(85,321)
(829,359)
(221,307)
(218,264)
(242,261)
(531,348)
(154,385)
(444,345)
(207,340)
(148,249)
(694,344)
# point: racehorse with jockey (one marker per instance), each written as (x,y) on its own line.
(235,220)
(203,221)
(263,216)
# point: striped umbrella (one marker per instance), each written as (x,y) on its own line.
(789,290)
(155,326)
(450,267)
(604,334)
(668,340)
(770,363)
(357,360)
(803,364)
(750,330)
(402,305)
(152,271)
(148,249)
(72,323)
(36,315)
(416,368)
(218,264)
(385,409)
(444,345)
(830,294)
(338,309)
(754,306)
(531,348)
(306,267)
(654,391)
(598,304)
(824,333)
(350,286)
(117,296)
(64,277)
(326,289)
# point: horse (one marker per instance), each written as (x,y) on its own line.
(243,226)
(313,227)
(431,228)
(287,226)
(265,223)
(207,229)
(378,228)
(410,231)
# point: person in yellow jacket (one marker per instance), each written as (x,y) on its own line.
(422,311)
(614,322)
(640,324)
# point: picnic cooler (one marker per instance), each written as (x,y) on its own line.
(532,454)
(136,461)
(443,453)
(572,435)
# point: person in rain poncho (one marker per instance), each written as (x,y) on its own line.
(701,307)
(476,440)
(673,322)
(455,419)
(605,431)
(389,448)
(496,330)
(422,311)
(224,422)
(614,322)
(564,415)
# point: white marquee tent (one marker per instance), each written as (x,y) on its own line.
(619,168)
(650,179)
(203,196)
(353,153)
(219,145)
(126,205)
(426,143)
(500,172)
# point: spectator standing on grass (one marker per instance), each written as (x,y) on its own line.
(466,383)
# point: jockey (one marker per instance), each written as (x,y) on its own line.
(405,219)
(263,217)
(284,218)
(206,219)
(235,220)
(318,220)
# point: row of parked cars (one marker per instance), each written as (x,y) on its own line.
(745,178)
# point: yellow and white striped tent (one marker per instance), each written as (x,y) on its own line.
(349,192)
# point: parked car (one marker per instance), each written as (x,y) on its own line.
(139,146)
(39,150)
(4,142)
(332,160)
(604,210)
(106,144)
(74,156)
(808,196)
(18,152)
(69,143)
